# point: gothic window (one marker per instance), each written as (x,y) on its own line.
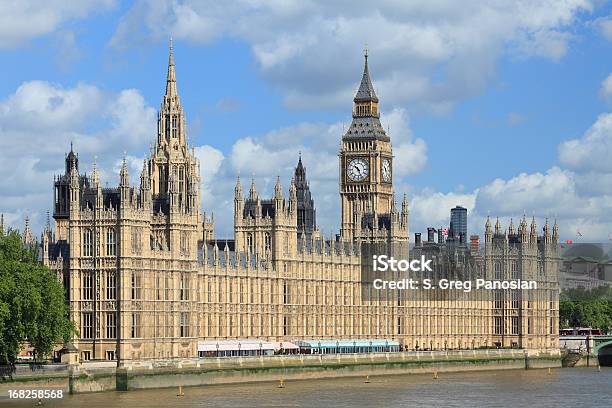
(168,288)
(175,123)
(515,325)
(499,299)
(250,243)
(86,327)
(184,287)
(111,248)
(168,119)
(515,299)
(87,243)
(111,325)
(498,325)
(184,242)
(181,179)
(184,324)
(136,240)
(87,286)
(267,241)
(111,286)
(498,270)
(515,270)
(136,285)
(162,186)
(168,325)
(530,325)
(135,324)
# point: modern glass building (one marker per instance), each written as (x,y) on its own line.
(458,223)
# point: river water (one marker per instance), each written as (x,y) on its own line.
(570,387)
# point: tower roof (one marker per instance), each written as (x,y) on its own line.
(366,92)
(72,160)
(300,171)
(171,89)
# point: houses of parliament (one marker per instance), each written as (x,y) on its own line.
(146,277)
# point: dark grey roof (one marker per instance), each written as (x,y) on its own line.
(366,93)
(367,127)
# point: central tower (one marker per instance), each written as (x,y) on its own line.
(366,179)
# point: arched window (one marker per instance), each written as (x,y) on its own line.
(111,247)
(87,243)
(498,270)
(249,243)
(515,270)
(267,241)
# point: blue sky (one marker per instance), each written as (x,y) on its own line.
(481,99)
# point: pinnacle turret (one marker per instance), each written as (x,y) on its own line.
(253,190)
(238,189)
(278,189)
(27,232)
(124,174)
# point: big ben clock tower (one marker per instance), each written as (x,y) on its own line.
(366,176)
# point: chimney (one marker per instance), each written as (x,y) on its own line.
(417,239)
(474,244)
(430,234)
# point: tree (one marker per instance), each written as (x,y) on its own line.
(32,303)
(587,308)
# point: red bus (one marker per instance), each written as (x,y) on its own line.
(580,331)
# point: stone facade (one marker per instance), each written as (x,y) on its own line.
(146,278)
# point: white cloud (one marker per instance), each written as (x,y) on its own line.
(593,150)
(23,20)
(604,25)
(605,92)
(430,54)
(276,153)
(550,193)
(40,120)
(432,209)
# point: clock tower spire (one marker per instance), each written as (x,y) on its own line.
(365,164)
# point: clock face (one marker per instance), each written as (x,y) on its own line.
(386,170)
(357,170)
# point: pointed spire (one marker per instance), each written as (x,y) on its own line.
(300,171)
(555,235)
(48,223)
(497,226)
(238,188)
(534,230)
(405,204)
(253,190)
(366,93)
(171,90)
(27,232)
(278,189)
(124,175)
(292,189)
(488,225)
(95,177)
